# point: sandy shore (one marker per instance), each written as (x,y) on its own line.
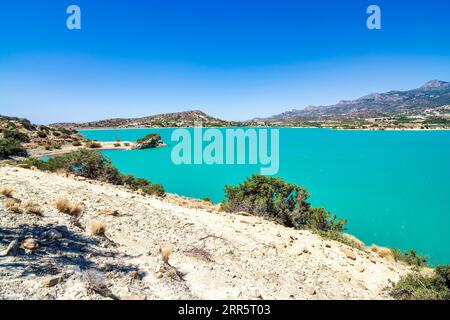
(215,255)
(107,145)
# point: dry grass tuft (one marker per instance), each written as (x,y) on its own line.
(7,191)
(31,207)
(63,204)
(98,228)
(166,251)
(382,251)
(12,205)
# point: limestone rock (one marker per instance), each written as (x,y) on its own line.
(348,253)
(52,281)
(150,141)
(11,250)
(30,244)
(360,268)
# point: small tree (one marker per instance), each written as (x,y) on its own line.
(274,198)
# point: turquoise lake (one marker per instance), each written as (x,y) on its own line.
(393,187)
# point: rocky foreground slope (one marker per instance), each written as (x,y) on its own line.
(214,255)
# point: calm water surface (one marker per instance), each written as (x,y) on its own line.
(392,186)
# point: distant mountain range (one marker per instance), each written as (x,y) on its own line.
(432,94)
(425,107)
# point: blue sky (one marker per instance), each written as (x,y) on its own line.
(232,59)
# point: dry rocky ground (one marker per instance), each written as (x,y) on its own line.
(214,255)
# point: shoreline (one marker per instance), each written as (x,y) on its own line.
(267,127)
(106,145)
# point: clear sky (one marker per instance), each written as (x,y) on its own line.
(234,59)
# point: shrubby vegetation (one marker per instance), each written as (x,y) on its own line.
(93,165)
(155,136)
(10,132)
(275,199)
(85,163)
(154,189)
(42,134)
(93,145)
(410,257)
(11,147)
(416,286)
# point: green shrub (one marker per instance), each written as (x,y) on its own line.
(416,286)
(117,144)
(155,136)
(154,189)
(11,147)
(65,131)
(76,143)
(56,145)
(27,124)
(42,134)
(410,257)
(89,164)
(138,183)
(275,199)
(207,200)
(56,133)
(142,184)
(44,128)
(443,271)
(127,179)
(13,134)
(320,219)
(93,145)
(32,162)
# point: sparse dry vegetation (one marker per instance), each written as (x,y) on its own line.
(12,205)
(166,251)
(32,207)
(98,228)
(417,286)
(64,205)
(382,251)
(7,191)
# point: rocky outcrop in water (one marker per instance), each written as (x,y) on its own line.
(150,141)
